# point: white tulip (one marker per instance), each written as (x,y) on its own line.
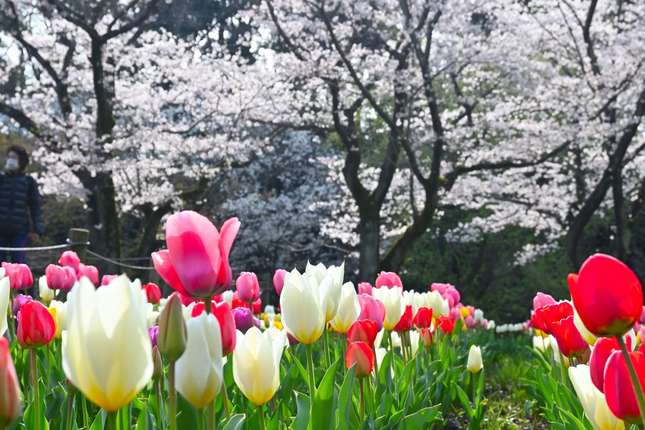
(593,400)
(59,312)
(348,309)
(46,294)
(437,303)
(392,299)
(199,369)
(227,296)
(302,314)
(106,348)
(256,364)
(4,302)
(328,281)
(475,362)
(541,343)
(479,315)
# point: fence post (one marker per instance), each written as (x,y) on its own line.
(79,239)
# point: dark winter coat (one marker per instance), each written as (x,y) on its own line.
(19,205)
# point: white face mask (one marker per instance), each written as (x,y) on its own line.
(11,165)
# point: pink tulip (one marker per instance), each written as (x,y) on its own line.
(541,300)
(224,315)
(448,292)
(470,322)
(248,287)
(388,279)
(371,309)
(60,277)
(19,275)
(365,288)
(90,272)
(17,303)
(106,279)
(196,261)
(70,259)
(278,280)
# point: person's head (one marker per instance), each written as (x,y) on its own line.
(17,159)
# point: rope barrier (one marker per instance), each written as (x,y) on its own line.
(118,263)
(37,248)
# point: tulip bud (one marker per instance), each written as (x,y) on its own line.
(360,355)
(405,322)
(475,363)
(172,330)
(153,292)
(157,362)
(362,331)
(278,280)
(248,287)
(60,277)
(9,387)
(153,332)
(365,288)
(36,326)
(423,318)
(371,309)
(70,259)
(570,341)
(600,353)
(89,272)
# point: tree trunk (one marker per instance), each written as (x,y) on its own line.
(368,230)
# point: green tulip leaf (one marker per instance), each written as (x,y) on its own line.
(422,418)
(345,400)
(236,422)
(302,415)
(322,411)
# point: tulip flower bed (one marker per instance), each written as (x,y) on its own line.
(120,356)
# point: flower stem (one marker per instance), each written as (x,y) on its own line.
(70,405)
(310,370)
(207,305)
(261,417)
(636,383)
(112,420)
(362,402)
(172,398)
(227,402)
(33,365)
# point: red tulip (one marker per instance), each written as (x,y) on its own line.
(388,279)
(405,323)
(278,280)
(9,386)
(607,295)
(36,326)
(446,324)
(600,353)
(365,288)
(257,306)
(90,272)
(426,337)
(70,259)
(362,331)
(360,355)
(371,309)
(618,388)
(196,261)
(423,318)
(19,275)
(153,292)
(60,277)
(247,287)
(544,317)
(237,303)
(570,341)
(224,315)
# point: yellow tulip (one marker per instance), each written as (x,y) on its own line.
(593,400)
(199,369)
(302,313)
(256,363)
(107,352)
(58,311)
(348,309)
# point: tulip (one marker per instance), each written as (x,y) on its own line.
(600,353)
(227,296)
(153,292)
(256,364)
(46,294)
(541,343)
(60,277)
(544,317)
(365,288)
(474,363)
(9,387)
(106,348)
(448,292)
(302,314)
(70,259)
(479,316)
(58,310)
(392,301)
(405,322)
(607,295)
(90,272)
(257,306)
(153,332)
(243,319)
(348,309)
(36,326)
(248,287)
(586,334)
(437,303)
(541,300)
(4,304)
(423,318)
(362,331)
(196,261)
(592,400)
(361,356)
(172,329)
(618,388)
(389,280)
(329,281)
(19,275)
(278,280)
(446,324)
(157,363)
(199,369)
(426,337)
(106,279)
(18,302)
(371,309)
(226,321)
(570,341)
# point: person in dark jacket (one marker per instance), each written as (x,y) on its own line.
(20,213)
